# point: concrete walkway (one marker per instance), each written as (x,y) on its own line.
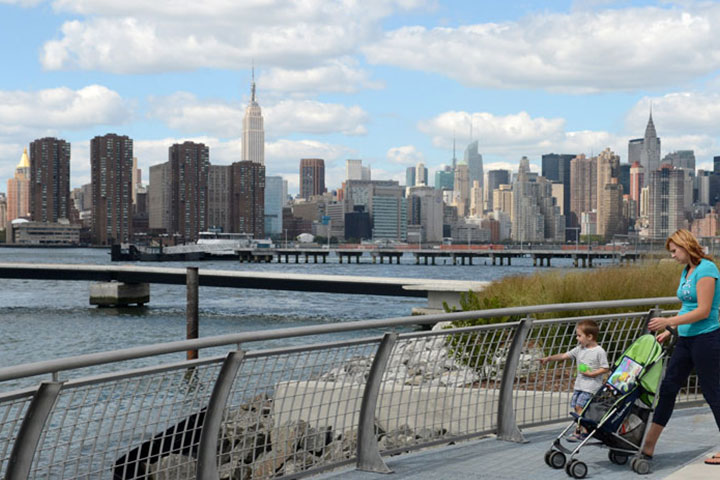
(689,438)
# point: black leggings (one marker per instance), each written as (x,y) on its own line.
(699,351)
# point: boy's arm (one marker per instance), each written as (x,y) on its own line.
(603,369)
(555,358)
(597,372)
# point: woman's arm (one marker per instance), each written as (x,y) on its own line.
(705,291)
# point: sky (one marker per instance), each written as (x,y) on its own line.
(391,82)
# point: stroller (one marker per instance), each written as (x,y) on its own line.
(617,415)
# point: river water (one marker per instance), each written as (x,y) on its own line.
(41,320)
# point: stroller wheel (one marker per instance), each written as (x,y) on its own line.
(547,458)
(576,469)
(640,466)
(556,459)
(617,457)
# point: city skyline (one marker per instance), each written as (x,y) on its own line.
(390,83)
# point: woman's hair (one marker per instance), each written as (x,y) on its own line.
(686,240)
(589,328)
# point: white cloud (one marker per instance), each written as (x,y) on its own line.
(10,153)
(494,132)
(61,108)
(580,51)
(186,113)
(505,139)
(338,75)
(406,155)
(677,113)
(22,3)
(137,36)
(309,116)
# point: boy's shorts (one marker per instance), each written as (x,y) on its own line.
(580,399)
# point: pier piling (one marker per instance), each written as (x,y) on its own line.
(192,281)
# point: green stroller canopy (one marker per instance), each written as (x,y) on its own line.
(646,351)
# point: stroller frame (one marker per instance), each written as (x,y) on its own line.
(620,448)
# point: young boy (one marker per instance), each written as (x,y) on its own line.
(592,364)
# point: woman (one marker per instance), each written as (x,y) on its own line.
(698,344)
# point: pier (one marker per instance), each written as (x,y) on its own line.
(452,254)
(436,291)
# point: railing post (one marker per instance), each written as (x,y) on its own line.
(368,454)
(207,450)
(192,281)
(32,426)
(506,421)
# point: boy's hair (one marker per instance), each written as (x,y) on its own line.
(589,328)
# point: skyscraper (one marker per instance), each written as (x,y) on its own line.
(253,137)
(425,208)
(474,161)
(247,198)
(189,167)
(18,194)
(666,201)
(421,175)
(634,150)
(274,203)
(111,173)
(312,177)
(528,222)
(681,159)
(556,168)
(160,198)
(49,180)
(461,189)
(650,152)
(636,183)
(583,187)
(410,176)
(495,178)
(445,178)
(354,170)
(219,198)
(609,199)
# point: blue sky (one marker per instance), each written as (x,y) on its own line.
(386,81)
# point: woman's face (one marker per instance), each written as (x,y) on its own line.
(679,254)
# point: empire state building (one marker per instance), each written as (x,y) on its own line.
(253,139)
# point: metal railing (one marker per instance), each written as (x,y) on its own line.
(295,411)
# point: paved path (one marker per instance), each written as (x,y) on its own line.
(690,437)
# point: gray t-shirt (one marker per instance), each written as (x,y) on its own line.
(594,358)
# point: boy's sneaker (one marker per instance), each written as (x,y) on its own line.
(577,437)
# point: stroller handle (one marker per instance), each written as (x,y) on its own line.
(673,339)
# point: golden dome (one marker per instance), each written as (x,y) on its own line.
(24,160)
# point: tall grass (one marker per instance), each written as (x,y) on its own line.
(651,279)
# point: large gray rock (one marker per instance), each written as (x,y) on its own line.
(244,435)
(173,467)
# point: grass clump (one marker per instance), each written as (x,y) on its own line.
(656,279)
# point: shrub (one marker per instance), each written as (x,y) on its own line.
(562,286)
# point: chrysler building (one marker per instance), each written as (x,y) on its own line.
(253,136)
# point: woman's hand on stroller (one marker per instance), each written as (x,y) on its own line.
(663,336)
(659,323)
